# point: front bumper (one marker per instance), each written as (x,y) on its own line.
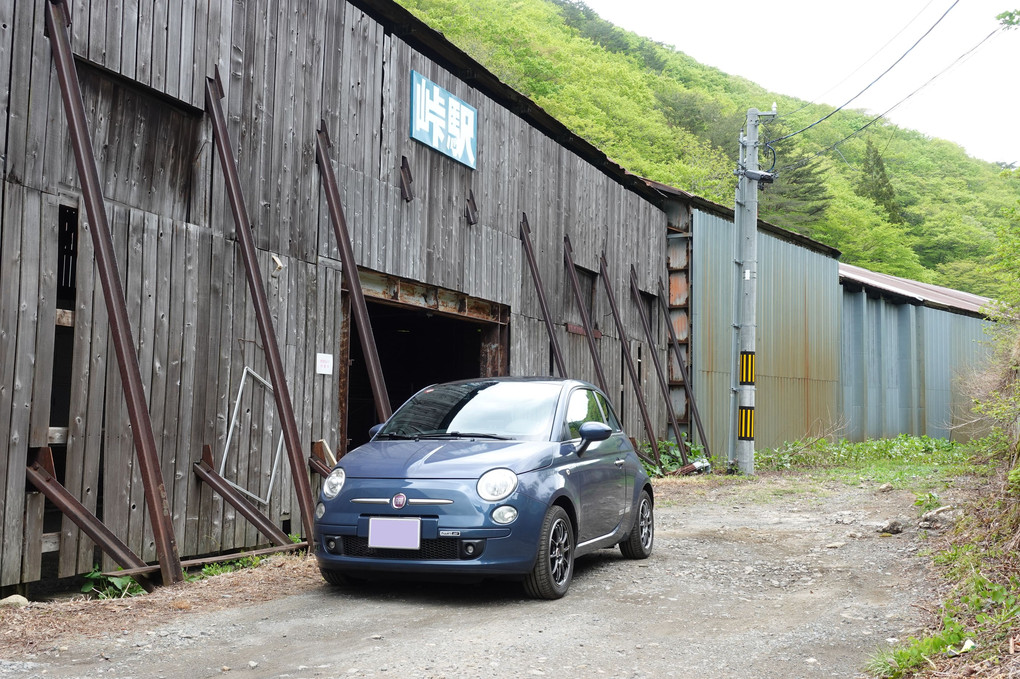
(458,537)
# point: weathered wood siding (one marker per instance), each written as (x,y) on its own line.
(284,67)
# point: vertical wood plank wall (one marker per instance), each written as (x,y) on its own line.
(284,66)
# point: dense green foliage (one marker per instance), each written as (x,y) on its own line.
(891,199)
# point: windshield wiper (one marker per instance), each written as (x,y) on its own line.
(461,435)
(391,435)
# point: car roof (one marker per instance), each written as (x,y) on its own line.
(563,381)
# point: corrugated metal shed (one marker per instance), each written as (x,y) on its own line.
(798,342)
(907,348)
(913,292)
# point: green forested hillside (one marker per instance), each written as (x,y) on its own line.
(891,199)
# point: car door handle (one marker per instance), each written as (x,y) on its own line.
(619,463)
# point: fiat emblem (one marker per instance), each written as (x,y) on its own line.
(398,501)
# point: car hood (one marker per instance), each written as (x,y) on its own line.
(445,458)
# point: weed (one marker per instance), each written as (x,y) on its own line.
(981,558)
(925,502)
(220,567)
(109,587)
(671,462)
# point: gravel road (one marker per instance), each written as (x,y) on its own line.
(775,577)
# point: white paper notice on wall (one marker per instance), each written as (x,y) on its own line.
(323,364)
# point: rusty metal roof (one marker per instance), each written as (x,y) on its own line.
(914,292)
(728,213)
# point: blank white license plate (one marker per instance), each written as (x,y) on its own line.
(391,533)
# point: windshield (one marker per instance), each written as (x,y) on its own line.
(512,410)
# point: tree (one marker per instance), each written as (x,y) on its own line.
(874,183)
(798,198)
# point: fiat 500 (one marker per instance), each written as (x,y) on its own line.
(492,477)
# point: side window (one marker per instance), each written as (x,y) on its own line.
(583,407)
(607,408)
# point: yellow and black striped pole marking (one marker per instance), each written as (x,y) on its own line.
(746,367)
(745,423)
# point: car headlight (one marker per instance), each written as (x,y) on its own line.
(496,484)
(334,483)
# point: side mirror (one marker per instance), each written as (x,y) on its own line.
(592,431)
(375,430)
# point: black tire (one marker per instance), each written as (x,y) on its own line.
(554,565)
(638,545)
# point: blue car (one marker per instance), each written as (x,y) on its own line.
(490,477)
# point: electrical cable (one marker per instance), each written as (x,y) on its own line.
(851,99)
(874,120)
(865,62)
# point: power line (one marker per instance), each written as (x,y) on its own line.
(865,62)
(881,75)
(874,120)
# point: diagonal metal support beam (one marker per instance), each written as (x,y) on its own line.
(589,331)
(536,276)
(40,474)
(57,20)
(684,374)
(317,460)
(204,471)
(350,272)
(625,346)
(257,288)
(635,292)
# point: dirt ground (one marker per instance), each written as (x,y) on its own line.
(780,576)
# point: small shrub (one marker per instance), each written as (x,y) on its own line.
(109,587)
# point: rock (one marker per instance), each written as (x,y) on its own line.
(885,488)
(940,514)
(835,545)
(892,526)
(14,601)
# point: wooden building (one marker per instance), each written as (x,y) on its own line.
(437,244)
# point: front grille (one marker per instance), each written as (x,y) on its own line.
(443,549)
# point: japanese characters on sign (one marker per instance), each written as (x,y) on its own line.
(442,121)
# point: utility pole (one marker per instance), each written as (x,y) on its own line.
(746,223)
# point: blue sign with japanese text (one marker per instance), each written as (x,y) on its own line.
(442,121)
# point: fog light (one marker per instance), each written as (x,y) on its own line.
(504,515)
(320,509)
(331,544)
(471,549)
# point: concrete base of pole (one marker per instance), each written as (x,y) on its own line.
(745,457)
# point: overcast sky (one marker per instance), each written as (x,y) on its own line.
(815,49)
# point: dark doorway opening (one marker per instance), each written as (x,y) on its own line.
(417,347)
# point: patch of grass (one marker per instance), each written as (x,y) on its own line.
(220,567)
(920,463)
(979,557)
(918,653)
(103,586)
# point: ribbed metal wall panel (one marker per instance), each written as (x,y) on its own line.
(798,336)
(902,366)
(713,310)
